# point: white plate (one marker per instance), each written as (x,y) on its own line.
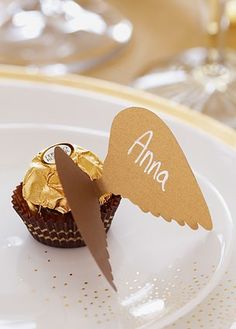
(162,270)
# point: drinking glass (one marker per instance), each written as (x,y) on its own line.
(204,79)
(58,36)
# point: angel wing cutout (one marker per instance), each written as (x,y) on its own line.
(83,201)
(146,165)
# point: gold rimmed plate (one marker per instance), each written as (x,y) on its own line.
(162,271)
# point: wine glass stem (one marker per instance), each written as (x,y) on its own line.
(217,26)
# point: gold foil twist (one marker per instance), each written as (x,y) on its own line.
(41,185)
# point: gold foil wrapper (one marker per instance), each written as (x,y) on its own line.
(41,185)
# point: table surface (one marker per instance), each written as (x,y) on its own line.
(162,28)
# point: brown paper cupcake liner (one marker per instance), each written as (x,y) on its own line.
(55,229)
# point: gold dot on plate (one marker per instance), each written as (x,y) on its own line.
(64,297)
(35,270)
(54,276)
(53,287)
(91,303)
(95,291)
(99,275)
(45,251)
(85,308)
(65,284)
(49,260)
(85,282)
(85,295)
(79,301)
(106,289)
(70,274)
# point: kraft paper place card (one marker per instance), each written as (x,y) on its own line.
(144,164)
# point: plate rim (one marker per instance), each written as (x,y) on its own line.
(155,103)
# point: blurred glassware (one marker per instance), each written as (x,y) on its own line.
(231,12)
(59,36)
(204,79)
